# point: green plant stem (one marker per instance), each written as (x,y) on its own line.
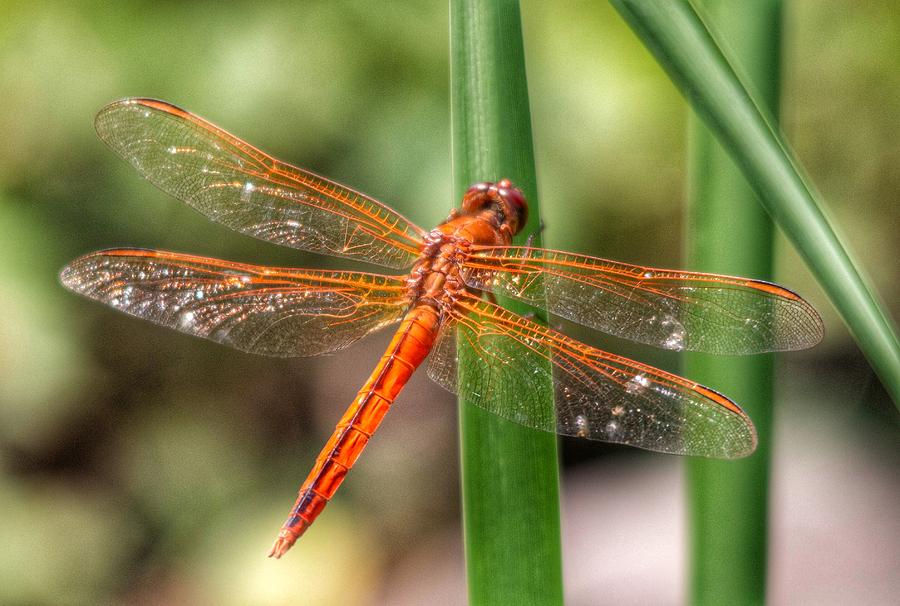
(510,482)
(677,37)
(729,233)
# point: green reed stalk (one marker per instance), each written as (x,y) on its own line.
(729,233)
(510,482)
(679,40)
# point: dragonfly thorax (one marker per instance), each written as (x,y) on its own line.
(491,213)
(435,278)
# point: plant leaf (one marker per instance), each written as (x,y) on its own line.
(509,473)
(681,43)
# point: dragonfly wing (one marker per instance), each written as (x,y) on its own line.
(599,396)
(675,310)
(241,187)
(262,310)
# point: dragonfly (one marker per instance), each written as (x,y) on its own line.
(444,299)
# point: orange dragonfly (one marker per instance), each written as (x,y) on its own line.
(445,298)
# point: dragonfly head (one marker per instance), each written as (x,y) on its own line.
(503,198)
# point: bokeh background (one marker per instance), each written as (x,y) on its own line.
(141,466)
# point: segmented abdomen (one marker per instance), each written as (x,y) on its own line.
(409,347)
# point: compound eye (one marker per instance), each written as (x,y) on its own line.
(515,202)
(476,197)
(479,188)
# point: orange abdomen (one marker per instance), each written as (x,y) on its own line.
(409,347)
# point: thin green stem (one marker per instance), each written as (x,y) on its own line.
(728,499)
(677,37)
(510,481)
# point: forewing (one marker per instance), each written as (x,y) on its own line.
(599,396)
(241,187)
(674,310)
(262,310)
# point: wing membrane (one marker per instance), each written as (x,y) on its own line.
(675,310)
(262,310)
(599,396)
(241,187)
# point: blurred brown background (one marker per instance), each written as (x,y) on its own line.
(141,466)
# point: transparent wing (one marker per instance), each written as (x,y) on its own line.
(262,310)
(599,396)
(241,187)
(675,310)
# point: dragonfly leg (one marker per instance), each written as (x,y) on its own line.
(530,240)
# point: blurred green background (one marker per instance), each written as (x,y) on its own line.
(141,466)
